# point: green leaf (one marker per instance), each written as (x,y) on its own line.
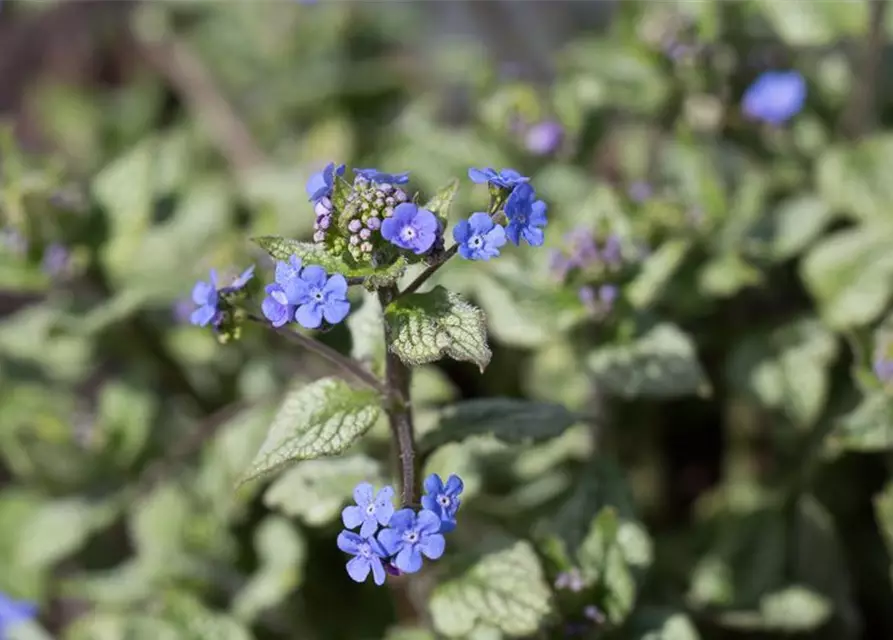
(850,274)
(440,204)
(320,419)
(504,589)
(787,369)
(726,275)
(798,223)
(808,24)
(793,609)
(511,420)
(119,626)
(596,531)
(283,248)
(367,334)
(661,624)
(868,427)
(158,527)
(657,272)
(60,528)
(662,363)
(200,623)
(424,327)
(409,633)
(855,180)
(27,630)
(316,490)
(281,553)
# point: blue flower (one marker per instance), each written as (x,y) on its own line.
(367,553)
(369,511)
(526,215)
(479,237)
(507,178)
(276,307)
(204,294)
(544,137)
(317,296)
(775,96)
(411,536)
(321,184)
(379,177)
(443,500)
(207,296)
(55,260)
(13,612)
(411,228)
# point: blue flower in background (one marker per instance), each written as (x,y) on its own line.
(13,612)
(204,294)
(411,536)
(479,237)
(507,178)
(775,96)
(317,296)
(276,307)
(379,177)
(526,215)
(321,184)
(368,553)
(411,228)
(443,499)
(370,510)
(55,259)
(207,296)
(544,137)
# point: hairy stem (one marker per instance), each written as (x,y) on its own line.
(397,379)
(341,362)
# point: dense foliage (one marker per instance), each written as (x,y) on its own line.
(244,391)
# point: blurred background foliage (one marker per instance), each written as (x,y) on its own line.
(732,478)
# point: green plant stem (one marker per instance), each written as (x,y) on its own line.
(412,287)
(342,362)
(398,377)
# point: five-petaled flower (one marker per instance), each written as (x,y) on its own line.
(775,97)
(411,228)
(276,306)
(317,296)
(479,237)
(506,179)
(443,499)
(411,536)
(379,177)
(321,184)
(370,510)
(13,612)
(207,296)
(526,215)
(367,555)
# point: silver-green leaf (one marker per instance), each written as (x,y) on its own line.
(281,248)
(504,589)
(511,420)
(425,327)
(662,363)
(440,204)
(320,419)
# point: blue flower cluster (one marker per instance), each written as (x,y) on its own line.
(306,295)
(480,237)
(405,536)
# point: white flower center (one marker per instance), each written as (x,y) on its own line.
(408,233)
(411,536)
(444,501)
(364,549)
(476,242)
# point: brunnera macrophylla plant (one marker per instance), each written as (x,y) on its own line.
(367,232)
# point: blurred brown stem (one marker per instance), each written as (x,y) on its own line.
(859,116)
(176,62)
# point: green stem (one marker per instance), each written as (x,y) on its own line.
(342,362)
(397,378)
